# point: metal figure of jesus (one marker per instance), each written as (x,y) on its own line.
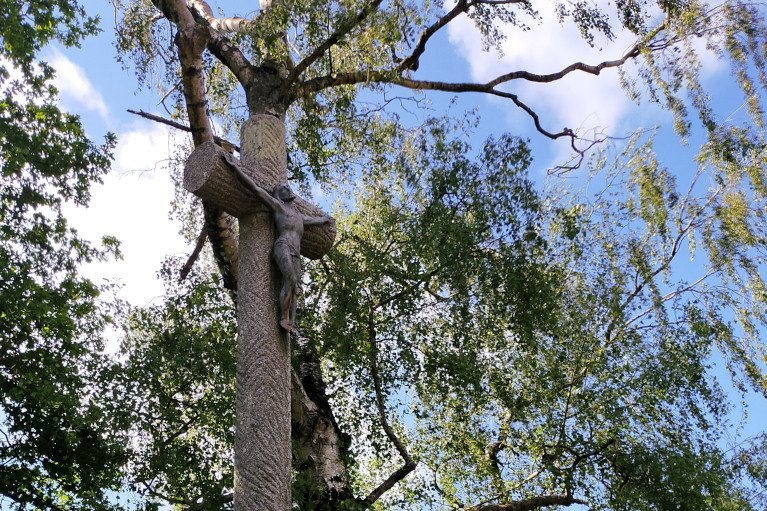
(290,224)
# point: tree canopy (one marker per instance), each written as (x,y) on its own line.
(478,338)
(55,451)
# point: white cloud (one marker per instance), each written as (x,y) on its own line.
(133,204)
(73,84)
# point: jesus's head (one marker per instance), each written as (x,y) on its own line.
(283,192)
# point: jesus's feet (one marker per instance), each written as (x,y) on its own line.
(288,326)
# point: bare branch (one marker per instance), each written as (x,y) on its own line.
(409,464)
(218,140)
(576,66)
(393,77)
(344,28)
(324,82)
(411,62)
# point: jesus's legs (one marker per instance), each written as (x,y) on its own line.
(290,267)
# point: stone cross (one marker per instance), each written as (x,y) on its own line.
(262,458)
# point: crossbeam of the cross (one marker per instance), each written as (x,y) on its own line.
(208,176)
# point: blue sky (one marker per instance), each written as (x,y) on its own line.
(134,202)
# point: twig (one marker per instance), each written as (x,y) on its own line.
(167,94)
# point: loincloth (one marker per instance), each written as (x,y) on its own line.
(284,244)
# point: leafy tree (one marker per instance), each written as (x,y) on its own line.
(54,450)
(473,341)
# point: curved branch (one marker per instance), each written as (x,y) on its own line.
(394,77)
(411,62)
(632,53)
(385,77)
(335,37)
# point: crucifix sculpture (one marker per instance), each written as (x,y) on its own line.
(262,426)
(290,224)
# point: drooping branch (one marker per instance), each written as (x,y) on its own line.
(409,465)
(395,76)
(343,28)
(381,77)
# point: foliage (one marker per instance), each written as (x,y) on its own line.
(55,450)
(525,343)
(174,392)
(437,258)
(553,356)
(28,26)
